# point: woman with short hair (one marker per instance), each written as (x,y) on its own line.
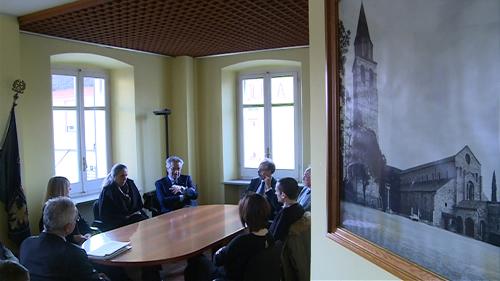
(233,261)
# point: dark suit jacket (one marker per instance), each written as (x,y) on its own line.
(284,219)
(113,209)
(49,258)
(270,195)
(168,200)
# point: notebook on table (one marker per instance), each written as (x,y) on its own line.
(109,250)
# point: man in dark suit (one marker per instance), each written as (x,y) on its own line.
(175,191)
(48,256)
(287,191)
(305,194)
(265,185)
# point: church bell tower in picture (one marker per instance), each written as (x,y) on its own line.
(364,70)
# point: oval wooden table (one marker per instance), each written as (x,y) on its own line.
(172,236)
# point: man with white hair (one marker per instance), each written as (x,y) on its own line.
(175,191)
(305,193)
(48,256)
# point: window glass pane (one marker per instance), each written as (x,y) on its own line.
(93,91)
(63,90)
(283,137)
(253,136)
(282,90)
(95,143)
(253,91)
(66,144)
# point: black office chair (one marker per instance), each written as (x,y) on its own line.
(151,203)
(97,223)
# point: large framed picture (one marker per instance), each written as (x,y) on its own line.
(414,135)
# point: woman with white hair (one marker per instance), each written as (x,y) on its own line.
(120,202)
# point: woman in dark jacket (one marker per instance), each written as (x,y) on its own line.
(120,202)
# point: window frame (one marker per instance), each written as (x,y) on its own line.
(247,173)
(84,187)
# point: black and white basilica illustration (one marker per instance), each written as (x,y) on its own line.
(451,193)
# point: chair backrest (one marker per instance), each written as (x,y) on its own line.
(13,271)
(296,255)
(266,265)
(151,203)
(98,224)
(95,209)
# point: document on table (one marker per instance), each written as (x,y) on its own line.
(109,250)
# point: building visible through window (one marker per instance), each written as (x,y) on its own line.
(80,128)
(269,114)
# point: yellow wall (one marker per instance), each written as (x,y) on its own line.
(190,87)
(329,260)
(140,133)
(182,138)
(200,92)
(9,71)
(214,97)
(123,125)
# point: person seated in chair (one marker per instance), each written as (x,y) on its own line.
(175,191)
(10,268)
(120,202)
(60,186)
(265,184)
(6,254)
(13,271)
(296,252)
(48,256)
(287,191)
(234,261)
(305,194)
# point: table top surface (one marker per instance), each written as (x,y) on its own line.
(172,236)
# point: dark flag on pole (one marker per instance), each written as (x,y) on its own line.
(11,191)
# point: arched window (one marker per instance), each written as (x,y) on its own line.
(470,191)
(80,116)
(467,158)
(269,114)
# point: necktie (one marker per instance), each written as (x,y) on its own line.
(261,188)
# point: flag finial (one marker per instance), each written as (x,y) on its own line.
(18,87)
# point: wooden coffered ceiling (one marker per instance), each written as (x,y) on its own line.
(178,27)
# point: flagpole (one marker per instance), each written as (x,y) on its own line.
(12,193)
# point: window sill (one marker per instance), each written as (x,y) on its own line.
(237,182)
(77,199)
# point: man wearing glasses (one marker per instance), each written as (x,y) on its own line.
(265,185)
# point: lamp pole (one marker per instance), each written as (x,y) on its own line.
(164,112)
